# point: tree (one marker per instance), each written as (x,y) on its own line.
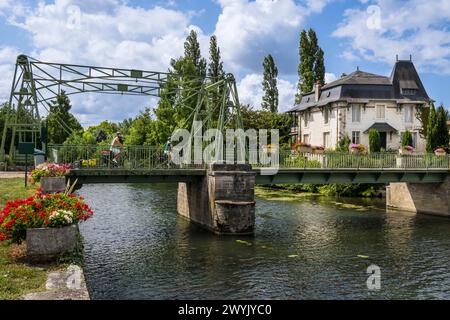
(442,138)
(270,98)
(374,140)
(311,67)
(61,123)
(216,74)
(407,139)
(431,129)
(192,51)
(140,129)
(422,115)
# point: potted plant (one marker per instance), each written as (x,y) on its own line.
(440,152)
(357,148)
(406,150)
(51,176)
(48,222)
(318,149)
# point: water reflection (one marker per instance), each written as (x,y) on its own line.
(137,247)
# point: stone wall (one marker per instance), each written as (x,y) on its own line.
(430,198)
(223,201)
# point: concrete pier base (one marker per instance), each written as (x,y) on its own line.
(223,201)
(428,198)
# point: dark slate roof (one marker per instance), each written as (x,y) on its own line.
(381,127)
(361,87)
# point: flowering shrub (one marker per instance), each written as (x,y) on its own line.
(60,218)
(40,211)
(49,170)
(299,144)
(357,147)
(318,148)
(409,148)
(439,151)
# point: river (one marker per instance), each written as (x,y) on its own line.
(137,247)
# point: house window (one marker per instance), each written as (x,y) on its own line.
(356,137)
(414,139)
(326,140)
(381,111)
(307,117)
(409,110)
(306,138)
(356,113)
(326,115)
(409,92)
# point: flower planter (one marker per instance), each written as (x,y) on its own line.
(53,184)
(440,153)
(405,151)
(318,151)
(355,151)
(304,149)
(50,242)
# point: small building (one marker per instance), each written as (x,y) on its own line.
(360,101)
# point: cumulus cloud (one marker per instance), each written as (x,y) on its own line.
(386,28)
(7,58)
(249,30)
(251,92)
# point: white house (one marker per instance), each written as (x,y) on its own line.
(360,101)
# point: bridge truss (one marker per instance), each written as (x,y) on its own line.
(36,84)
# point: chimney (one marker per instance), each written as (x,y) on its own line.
(317,87)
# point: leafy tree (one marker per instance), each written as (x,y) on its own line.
(60,121)
(407,139)
(192,51)
(216,74)
(311,67)
(431,129)
(374,141)
(270,98)
(140,129)
(422,115)
(441,138)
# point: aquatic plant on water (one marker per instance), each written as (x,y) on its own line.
(41,211)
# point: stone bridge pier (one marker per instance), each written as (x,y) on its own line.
(222,201)
(428,198)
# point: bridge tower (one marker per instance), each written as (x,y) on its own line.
(22,123)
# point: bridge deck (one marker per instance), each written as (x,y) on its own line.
(281,176)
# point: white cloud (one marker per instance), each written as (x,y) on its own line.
(8,57)
(251,92)
(103,33)
(330,77)
(249,30)
(388,27)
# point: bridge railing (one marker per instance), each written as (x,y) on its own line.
(151,157)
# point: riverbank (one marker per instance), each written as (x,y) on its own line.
(19,277)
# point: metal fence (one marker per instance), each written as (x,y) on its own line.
(150,157)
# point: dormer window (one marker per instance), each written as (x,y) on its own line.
(409,92)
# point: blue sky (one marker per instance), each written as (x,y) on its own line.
(146,34)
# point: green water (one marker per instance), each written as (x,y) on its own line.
(313,248)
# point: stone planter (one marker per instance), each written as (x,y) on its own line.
(440,153)
(50,242)
(53,184)
(405,151)
(355,151)
(318,151)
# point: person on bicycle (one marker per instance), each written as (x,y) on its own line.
(116,147)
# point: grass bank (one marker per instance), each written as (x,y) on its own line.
(17,277)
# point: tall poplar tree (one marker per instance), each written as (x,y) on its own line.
(431,129)
(312,66)
(215,73)
(270,98)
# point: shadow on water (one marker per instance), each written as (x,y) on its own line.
(137,247)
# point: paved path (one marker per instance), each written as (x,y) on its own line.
(11,174)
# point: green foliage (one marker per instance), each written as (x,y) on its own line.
(270,98)
(257,119)
(407,139)
(216,74)
(374,141)
(140,131)
(437,132)
(192,52)
(61,123)
(344,144)
(442,137)
(347,190)
(312,66)
(422,114)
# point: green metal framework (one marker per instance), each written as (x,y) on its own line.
(36,83)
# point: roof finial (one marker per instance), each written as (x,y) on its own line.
(410,57)
(357,68)
(396,57)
